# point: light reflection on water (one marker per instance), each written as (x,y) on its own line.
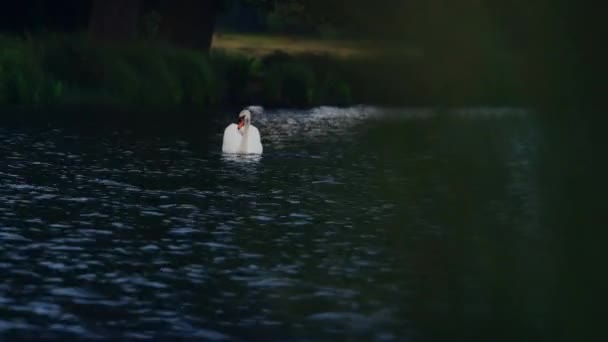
(337,230)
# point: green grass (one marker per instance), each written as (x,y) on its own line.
(264,70)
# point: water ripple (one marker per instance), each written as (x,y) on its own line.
(112,235)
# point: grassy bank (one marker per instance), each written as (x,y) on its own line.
(68,70)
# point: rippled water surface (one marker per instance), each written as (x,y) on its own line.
(355,222)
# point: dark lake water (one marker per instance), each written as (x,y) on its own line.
(355,223)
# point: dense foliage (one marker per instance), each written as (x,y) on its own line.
(74,69)
(474,52)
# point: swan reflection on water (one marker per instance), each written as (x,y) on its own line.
(241,158)
(245,167)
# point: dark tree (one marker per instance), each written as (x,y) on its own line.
(189,23)
(114,20)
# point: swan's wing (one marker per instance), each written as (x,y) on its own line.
(255,142)
(232,139)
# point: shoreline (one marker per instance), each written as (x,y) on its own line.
(67,71)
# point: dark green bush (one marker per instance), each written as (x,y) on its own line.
(234,75)
(21,77)
(60,69)
(194,76)
(90,72)
(155,82)
(331,78)
(289,83)
(334,90)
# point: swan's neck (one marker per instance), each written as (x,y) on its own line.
(244,140)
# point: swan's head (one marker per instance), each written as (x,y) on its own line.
(244,118)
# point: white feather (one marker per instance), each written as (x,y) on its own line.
(244,141)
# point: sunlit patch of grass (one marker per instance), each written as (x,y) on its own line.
(260,45)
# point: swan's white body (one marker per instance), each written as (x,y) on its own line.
(243,140)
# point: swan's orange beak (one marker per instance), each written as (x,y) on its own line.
(241,122)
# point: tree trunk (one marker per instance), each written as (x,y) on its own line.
(114,20)
(189,23)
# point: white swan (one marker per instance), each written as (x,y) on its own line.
(242,137)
